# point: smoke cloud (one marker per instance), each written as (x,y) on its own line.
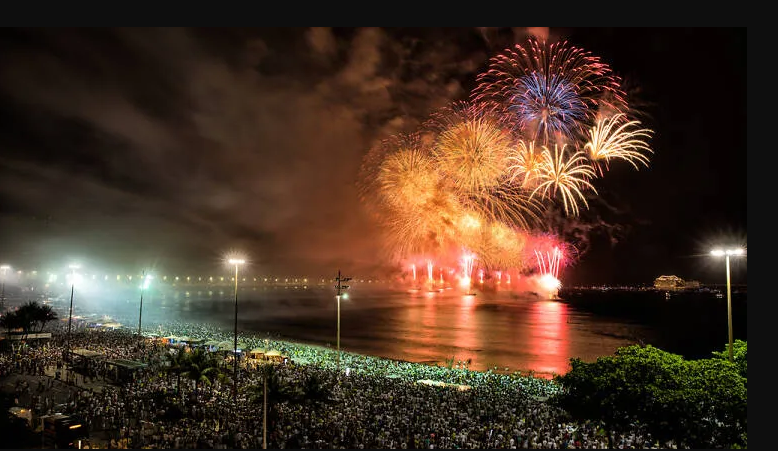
(174,145)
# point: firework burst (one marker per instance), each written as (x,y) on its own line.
(550,91)
(507,204)
(618,138)
(471,148)
(566,177)
(482,177)
(407,178)
(524,163)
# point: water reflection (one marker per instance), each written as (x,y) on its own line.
(549,337)
(492,329)
(467,330)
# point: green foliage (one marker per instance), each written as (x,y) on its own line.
(315,389)
(690,402)
(10,320)
(739,355)
(27,317)
(200,367)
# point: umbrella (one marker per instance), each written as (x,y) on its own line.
(225,346)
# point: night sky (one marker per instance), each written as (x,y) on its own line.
(133,147)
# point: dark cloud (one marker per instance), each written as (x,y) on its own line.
(183,143)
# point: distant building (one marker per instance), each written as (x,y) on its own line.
(691,284)
(669,283)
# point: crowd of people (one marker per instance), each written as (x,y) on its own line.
(368,402)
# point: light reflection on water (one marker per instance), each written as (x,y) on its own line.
(493,330)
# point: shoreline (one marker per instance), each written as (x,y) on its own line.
(324,356)
(216,331)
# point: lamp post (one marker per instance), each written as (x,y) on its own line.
(3,270)
(726,254)
(145,281)
(73,269)
(237,262)
(340,287)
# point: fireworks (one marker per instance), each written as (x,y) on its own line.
(471,148)
(467,270)
(550,91)
(550,284)
(616,138)
(544,121)
(524,162)
(565,176)
(548,262)
(407,178)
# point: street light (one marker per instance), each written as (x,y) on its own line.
(237,262)
(73,268)
(3,270)
(145,281)
(340,287)
(726,254)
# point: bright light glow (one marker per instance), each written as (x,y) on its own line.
(147,281)
(236,261)
(550,283)
(344,296)
(467,270)
(722,252)
(75,279)
(5,267)
(74,266)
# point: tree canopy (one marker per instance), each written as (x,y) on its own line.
(698,403)
(30,317)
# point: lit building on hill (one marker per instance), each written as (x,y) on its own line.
(669,283)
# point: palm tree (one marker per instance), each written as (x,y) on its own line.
(315,390)
(272,392)
(10,320)
(176,365)
(26,314)
(223,378)
(201,368)
(44,314)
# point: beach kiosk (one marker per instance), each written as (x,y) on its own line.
(274,356)
(121,370)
